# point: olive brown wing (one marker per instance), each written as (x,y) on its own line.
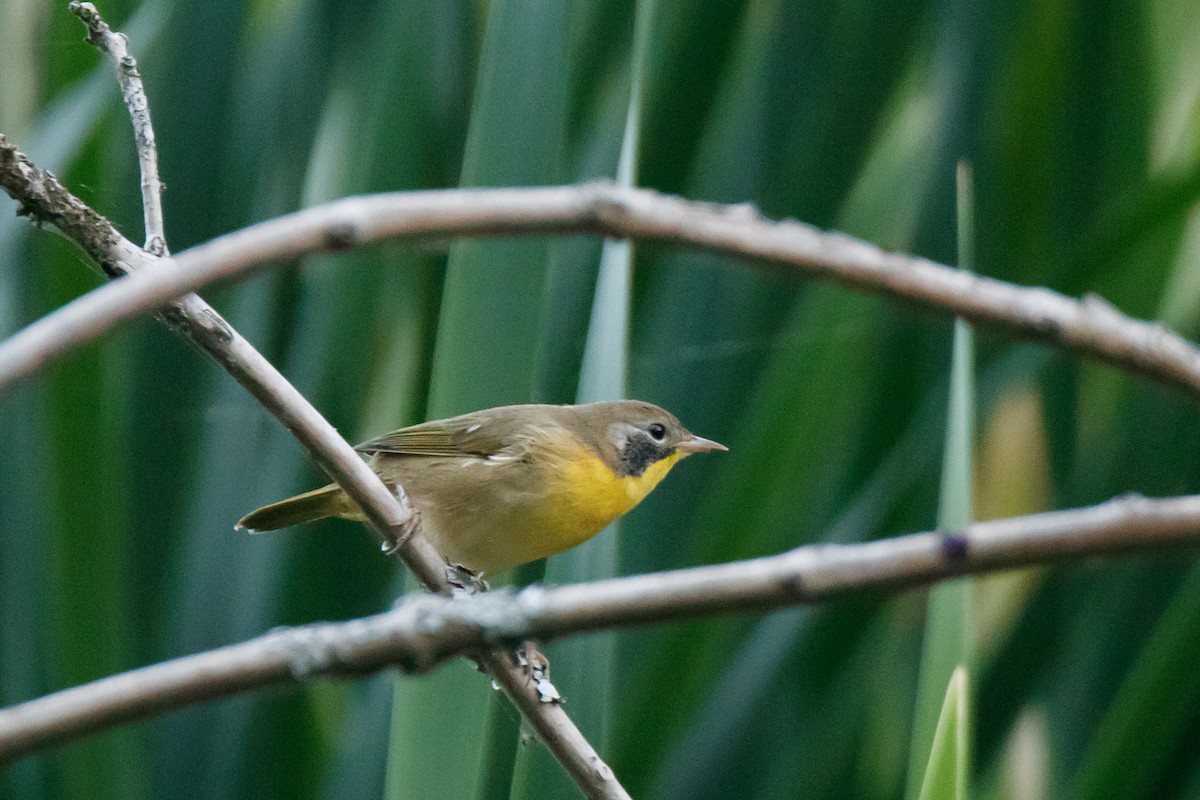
(460,436)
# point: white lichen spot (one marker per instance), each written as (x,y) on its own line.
(548,692)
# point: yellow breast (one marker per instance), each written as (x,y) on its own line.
(507,513)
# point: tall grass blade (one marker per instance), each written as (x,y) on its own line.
(485,353)
(948,644)
(945,776)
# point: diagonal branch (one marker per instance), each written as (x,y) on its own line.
(424,630)
(44,198)
(1090,327)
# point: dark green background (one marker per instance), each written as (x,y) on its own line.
(124,467)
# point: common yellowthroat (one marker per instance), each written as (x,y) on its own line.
(504,486)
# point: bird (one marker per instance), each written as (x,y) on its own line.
(504,486)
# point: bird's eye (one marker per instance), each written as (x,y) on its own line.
(657,430)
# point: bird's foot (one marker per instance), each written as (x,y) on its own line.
(465,582)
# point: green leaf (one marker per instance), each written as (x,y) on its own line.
(486,348)
(945,776)
(1141,736)
(948,628)
(585,670)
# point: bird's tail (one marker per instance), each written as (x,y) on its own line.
(328,501)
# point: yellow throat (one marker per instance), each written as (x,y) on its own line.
(588,495)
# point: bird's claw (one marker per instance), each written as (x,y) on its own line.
(465,582)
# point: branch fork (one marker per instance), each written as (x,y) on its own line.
(116,46)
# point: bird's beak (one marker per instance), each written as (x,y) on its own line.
(698,444)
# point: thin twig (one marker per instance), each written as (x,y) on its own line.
(425,630)
(1091,327)
(130,80)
